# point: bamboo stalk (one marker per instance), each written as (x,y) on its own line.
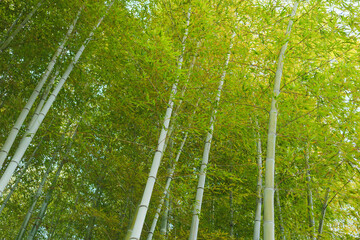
(167,186)
(323,212)
(144,204)
(309,195)
(257,224)
(269,223)
(206,152)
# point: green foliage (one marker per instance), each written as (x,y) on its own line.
(120,90)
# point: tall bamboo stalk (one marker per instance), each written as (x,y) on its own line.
(49,193)
(39,190)
(91,224)
(164,222)
(269,223)
(257,224)
(42,100)
(172,170)
(205,158)
(21,26)
(45,204)
(167,186)
(26,140)
(177,109)
(13,24)
(323,211)
(309,195)
(20,120)
(144,204)
(231,215)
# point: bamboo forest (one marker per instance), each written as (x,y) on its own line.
(170,119)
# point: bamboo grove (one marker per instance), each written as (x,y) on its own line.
(179,119)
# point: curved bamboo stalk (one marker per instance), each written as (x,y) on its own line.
(269,223)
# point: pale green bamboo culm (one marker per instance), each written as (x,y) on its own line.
(42,100)
(257,224)
(206,152)
(144,204)
(164,222)
(172,170)
(323,212)
(269,223)
(309,196)
(167,186)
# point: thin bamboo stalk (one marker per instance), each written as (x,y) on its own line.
(21,26)
(164,222)
(144,204)
(323,212)
(42,100)
(176,111)
(14,24)
(49,193)
(309,195)
(206,153)
(167,186)
(172,170)
(257,224)
(39,190)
